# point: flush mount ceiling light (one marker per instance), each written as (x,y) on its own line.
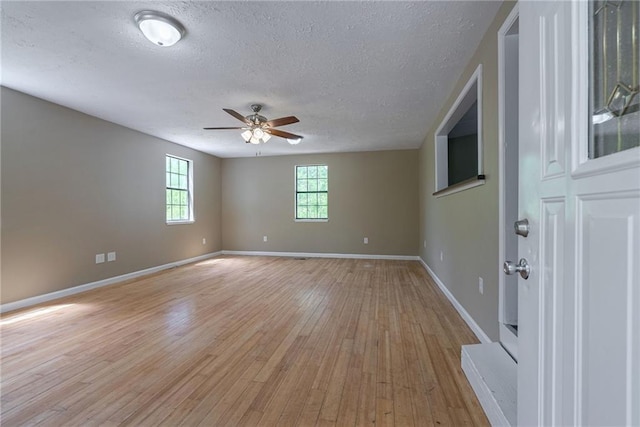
(159,28)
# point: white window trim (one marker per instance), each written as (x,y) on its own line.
(457,110)
(295,196)
(192,217)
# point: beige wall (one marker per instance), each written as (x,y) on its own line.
(464,226)
(74,186)
(371,194)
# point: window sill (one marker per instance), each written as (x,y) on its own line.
(180,222)
(461,186)
(311,220)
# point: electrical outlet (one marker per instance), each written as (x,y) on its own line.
(366,240)
(204,241)
(441,256)
(111,256)
(264,238)
(99,258)
(480,285)
(424,243)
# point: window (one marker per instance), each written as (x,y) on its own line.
(179,190)
(458,141)
(312,197)
(614,80)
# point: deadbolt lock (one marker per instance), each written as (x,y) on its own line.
(521,227)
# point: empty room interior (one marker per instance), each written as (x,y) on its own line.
(319,213)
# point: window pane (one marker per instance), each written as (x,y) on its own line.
(183,167)
(175,197)
(183,182)
(312,199)
(168,179)
(183,198)
(302,172)
(175,212)
(302,199)
(302,185)
(313,171)
(322,171)
(168,201)
(312,185)
(615,104)
(167,163)
(174,164)
(313,212)
(168,213)
(184,212)
(322,185)
(322,199)
(302,212)
(323,212)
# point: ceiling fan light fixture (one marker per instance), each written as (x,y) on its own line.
(246,135)
(258,133)
(159,28)
(258,130)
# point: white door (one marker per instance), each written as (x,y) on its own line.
(579,187)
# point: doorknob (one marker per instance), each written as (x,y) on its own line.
(521,227)
(522,267)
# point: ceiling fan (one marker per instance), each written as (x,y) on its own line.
(258,129)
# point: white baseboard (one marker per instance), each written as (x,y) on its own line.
(323,255)
(100,283)
(482,336)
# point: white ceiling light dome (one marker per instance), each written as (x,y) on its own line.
(159,28)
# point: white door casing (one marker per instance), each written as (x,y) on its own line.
(508,178)
(579,311)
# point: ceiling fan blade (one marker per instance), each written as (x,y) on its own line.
(282,121)
(283,134)
(237,115)
(220,128)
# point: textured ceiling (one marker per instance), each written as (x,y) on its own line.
(359,75)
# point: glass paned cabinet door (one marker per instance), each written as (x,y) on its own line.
(614,85)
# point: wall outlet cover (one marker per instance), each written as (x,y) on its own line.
(264,238)
(111,256)
(204,241)
(366,240)
(99,258)
(481,285)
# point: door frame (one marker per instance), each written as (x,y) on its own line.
(507,338)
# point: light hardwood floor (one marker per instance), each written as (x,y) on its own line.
(243,341)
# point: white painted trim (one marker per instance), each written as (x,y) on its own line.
(506,336)
(477,330)
(440,136)
(323,255)
(493,377)
(459,188)
(98,284)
